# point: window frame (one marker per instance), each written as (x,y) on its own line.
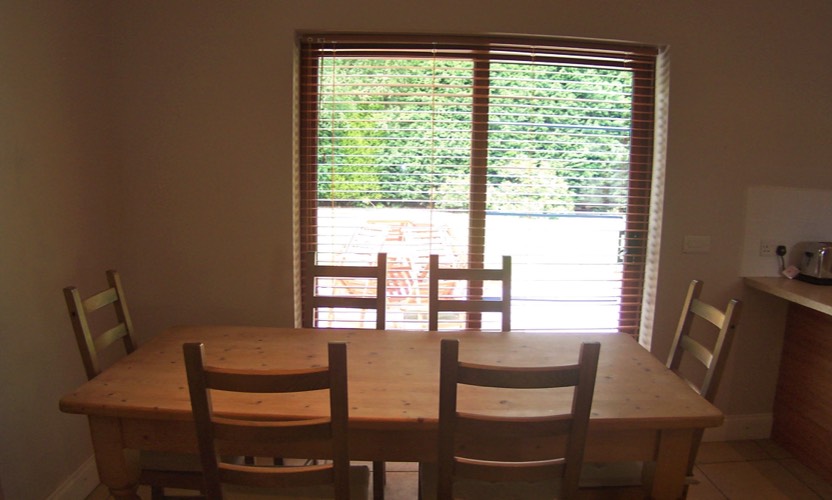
(640,59)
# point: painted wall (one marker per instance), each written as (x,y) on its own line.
(186,109)
(785,216)
(60,224)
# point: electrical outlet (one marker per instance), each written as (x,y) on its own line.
(767,248)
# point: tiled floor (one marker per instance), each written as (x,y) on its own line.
(737,470)
(758,470)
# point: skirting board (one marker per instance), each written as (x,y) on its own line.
(741,427)
(80,484)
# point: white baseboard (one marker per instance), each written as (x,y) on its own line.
(80,484)
(740,427)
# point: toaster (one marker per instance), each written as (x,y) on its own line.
(816,263)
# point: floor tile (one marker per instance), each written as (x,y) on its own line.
(99,493)
(773,449)
(704,489)
(401,486)
(756,480)
(402,466)
(809,477)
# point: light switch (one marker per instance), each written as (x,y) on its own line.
(696,244)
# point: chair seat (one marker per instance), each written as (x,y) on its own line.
(359,488)
(600,475)
(617,480)
(482,490)
(164,461)
(173,462)
(170,470)
(174,470)
(622,480)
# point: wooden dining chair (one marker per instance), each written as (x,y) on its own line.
(333,479)
(518,456)
(90,344)
(157,469)
(474,302)
(349,279)
(713,359)
(691,346)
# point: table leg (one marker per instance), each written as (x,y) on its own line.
(118,468)
(672,463)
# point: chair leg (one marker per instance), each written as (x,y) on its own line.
(419,482)
(157,493)
(379,480)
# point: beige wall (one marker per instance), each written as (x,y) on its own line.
(59,224)
(184,110)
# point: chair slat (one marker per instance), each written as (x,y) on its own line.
(369,272)
(108,337)
(697,350)
(267,381)
(254,431)
(518,378)
(708,312)
(99,300)
(277,477)
(452,273)
(512,427)
(527,472)
(346,302)
(469,306)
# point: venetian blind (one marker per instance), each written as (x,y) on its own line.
(473,148)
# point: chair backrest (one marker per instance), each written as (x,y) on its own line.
(252,434)
(713,360)
(344,273)
(493,448)
(475,302)
(90,344)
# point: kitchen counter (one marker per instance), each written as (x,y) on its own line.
(803,399)
(817,297)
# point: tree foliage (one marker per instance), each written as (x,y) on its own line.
(398,133)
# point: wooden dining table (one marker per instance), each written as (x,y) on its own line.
(641,410)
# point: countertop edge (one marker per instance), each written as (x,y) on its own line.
(815,297)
